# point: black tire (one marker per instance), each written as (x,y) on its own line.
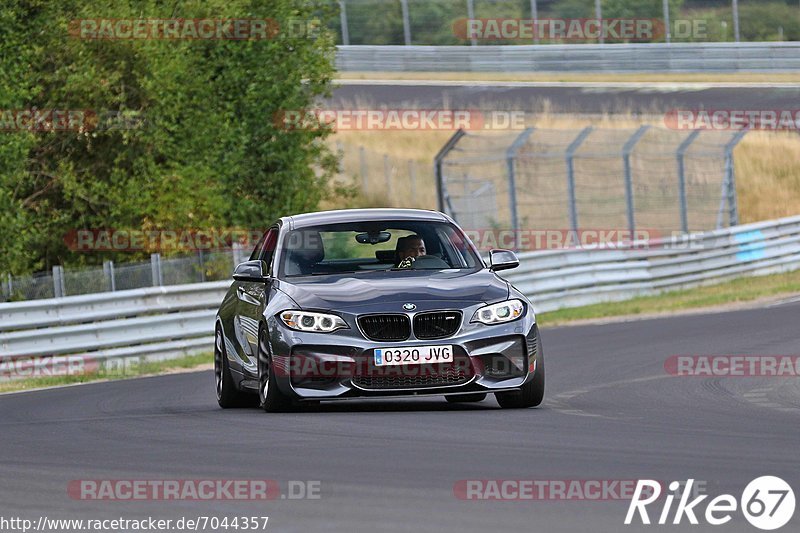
(227,394)
(271,399)
(531,394)
(466,398)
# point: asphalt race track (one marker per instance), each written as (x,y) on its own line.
(611,413)
(567,97)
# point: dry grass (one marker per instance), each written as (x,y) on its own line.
(768,175)
(767,164)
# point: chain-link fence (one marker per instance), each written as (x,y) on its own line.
(385,180)
(653,179)
(443,22)
(196,268)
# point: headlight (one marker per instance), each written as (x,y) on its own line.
(308,321)
(499,312)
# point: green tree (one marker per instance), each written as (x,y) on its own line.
(209,152)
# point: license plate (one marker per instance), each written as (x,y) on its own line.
(414,355)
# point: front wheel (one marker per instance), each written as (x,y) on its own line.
(530,395)
(227,393)
(271,398)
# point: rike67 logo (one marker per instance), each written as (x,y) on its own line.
(767,503)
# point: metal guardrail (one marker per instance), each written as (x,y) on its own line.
(164,322)
(652,57)
(571,278)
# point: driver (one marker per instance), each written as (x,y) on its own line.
(408,249)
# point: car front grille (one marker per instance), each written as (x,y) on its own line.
(441,375)
(436,324)
(385,327)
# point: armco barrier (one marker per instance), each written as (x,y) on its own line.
(650,57)
(164,322)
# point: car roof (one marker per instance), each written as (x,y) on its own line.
(363,215)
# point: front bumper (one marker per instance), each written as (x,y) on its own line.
(313,366)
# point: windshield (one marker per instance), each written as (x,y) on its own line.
(367,247)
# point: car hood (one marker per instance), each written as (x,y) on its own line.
(371,290)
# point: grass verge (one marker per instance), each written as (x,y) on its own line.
(133,368)
(733,292)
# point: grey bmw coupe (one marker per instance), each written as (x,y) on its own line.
(374,303)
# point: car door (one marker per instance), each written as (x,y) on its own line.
(251,299)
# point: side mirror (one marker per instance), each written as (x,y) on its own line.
(502,260)
(251,271)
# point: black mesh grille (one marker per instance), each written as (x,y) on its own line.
(436,324)
(437,376)
(385,327)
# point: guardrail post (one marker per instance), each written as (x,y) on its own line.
(626,160)
(108,270)
(534,16)
(58,282)
(343,21)
(155,265)
(362,164)
(10,285)
(570,156)
(511,156)
(406,23)
(441,191)
(680,154)
(729,183)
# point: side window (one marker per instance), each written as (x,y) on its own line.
(266,246)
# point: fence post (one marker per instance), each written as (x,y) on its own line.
(412,176)
(58,282)
(202,260)
(155,267)
(10,285)
(680,154)
(343,20)
(598,14)
(729,183)
(362,163)
(570,156)
(471,15)
(441,192)
(511,156)
(236,249)
(108,270)
(387,175)
(406,23)
(626,160)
